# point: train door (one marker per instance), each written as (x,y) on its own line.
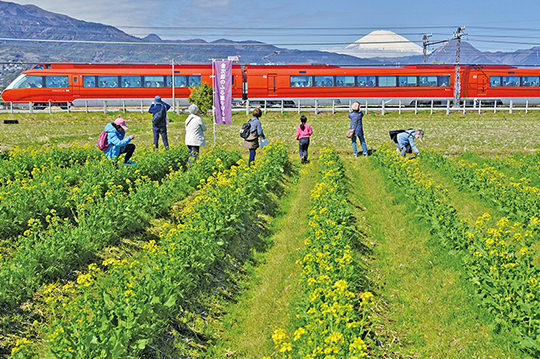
(272,78)
(74,86)
(482,82)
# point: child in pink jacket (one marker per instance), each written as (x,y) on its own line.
(303,132)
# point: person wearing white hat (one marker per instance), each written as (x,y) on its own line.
(194,133)
(357,129)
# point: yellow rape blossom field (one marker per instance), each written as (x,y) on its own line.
(435,255)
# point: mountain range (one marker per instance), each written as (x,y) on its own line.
(32,22)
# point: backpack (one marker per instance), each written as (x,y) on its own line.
(393,134)
(160,116)
(102,142)
(244,131)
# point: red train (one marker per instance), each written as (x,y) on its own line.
(69,83)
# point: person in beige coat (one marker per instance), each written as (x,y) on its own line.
(194,133)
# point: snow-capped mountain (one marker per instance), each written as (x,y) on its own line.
(380,43)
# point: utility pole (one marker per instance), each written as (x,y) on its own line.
(425,44)
(457,81)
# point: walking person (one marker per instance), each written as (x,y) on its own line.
(357,129)
(118,143)
(194,133)
(159,109)
(255,131)
(303,133)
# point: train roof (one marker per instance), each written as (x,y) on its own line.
(76,65)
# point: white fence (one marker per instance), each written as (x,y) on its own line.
(286,105)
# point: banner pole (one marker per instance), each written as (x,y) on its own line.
(213,97)
(172,83)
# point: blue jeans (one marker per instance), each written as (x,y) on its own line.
(251,156)
(405,149)
(362,143)
(163,131)
(303,144)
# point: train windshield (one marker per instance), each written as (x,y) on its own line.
(26,81)
(30,81)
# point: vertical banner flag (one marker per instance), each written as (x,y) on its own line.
(223,91)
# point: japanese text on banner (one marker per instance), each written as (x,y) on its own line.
(223,91)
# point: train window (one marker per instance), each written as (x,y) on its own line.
(444,81)
(345,81)
(387,81)
(89,81)
(407,81)
(495,81)
(530,81)
(510,81)
(179,81)
(28,81)
(107,81)
(130,81)
(56,81)
(427,81)
(154,81)
(366,81)
(301,81)
(194,81)
(324,81)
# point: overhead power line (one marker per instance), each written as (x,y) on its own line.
(166,43)
(239,43)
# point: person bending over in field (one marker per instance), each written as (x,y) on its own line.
(405,141)
(118,142)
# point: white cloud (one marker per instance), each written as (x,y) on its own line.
(208,4)
(117,13)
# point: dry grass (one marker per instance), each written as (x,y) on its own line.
(455,133)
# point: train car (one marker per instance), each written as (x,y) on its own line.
(79,84)
(501,84)
(306,83)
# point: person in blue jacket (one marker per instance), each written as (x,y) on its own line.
(118,142)
(405,141)
(356,124)
(159,109)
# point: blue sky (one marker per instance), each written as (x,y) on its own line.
(488,23)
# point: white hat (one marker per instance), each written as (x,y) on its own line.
(193,109)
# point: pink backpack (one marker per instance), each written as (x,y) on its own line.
(102,142)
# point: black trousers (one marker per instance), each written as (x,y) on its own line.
(128,150)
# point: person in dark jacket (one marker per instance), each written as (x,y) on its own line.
(356,124)
(118,143)
(159,109)
(256,131)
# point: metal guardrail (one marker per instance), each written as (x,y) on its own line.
(284,105)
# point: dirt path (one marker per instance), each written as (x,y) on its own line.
(264,307)
(428,308)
